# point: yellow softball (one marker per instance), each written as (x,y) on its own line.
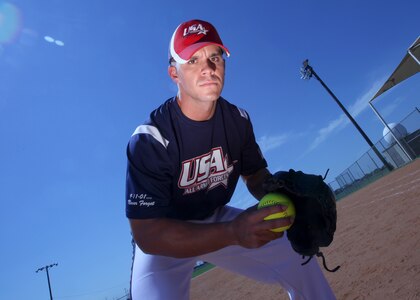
(274,199)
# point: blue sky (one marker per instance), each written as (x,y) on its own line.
(77,77)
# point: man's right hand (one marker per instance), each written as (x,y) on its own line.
(252,231)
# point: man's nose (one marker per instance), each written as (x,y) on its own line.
(208,65)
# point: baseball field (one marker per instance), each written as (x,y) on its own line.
(377,244)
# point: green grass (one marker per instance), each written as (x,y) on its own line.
(201,269)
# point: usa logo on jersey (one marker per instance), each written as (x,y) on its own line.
(206,171)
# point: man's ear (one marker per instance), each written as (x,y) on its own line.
(173,73)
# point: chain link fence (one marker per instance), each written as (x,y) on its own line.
(369,167)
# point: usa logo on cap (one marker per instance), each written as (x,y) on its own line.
(191,36)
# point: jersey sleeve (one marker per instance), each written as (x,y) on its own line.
(252,157)
(149,175)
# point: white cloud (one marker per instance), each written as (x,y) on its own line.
(342,121)
(363,102)
(323,133)
(268,143)
(49,39)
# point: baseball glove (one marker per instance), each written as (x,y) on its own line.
(316,214)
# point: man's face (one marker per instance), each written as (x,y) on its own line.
(202,77)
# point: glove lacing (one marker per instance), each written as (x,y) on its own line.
(320,254)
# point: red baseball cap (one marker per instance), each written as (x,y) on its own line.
(191,36)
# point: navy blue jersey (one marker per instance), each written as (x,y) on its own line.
(184,169)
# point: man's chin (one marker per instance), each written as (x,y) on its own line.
(212,98)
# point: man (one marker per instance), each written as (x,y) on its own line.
(183,166)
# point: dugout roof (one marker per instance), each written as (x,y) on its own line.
(409,66)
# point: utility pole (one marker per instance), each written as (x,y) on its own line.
(307,71)
(48,276)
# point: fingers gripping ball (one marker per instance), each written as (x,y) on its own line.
(275,199)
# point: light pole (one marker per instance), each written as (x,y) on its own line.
(48,276)
(307,72)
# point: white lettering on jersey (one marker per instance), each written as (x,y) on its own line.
(139,200)
(205,172)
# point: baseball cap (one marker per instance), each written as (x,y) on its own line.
(191,36)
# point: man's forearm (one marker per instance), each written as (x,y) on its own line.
(255,182)
(181,239)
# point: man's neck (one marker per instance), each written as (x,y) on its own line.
(197,111)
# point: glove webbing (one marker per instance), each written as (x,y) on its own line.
(320,254)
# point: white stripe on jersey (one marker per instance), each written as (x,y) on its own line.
(243,113)
(154,132)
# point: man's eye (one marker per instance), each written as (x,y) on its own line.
(192,61)
(215,59)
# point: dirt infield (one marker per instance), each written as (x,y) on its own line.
(377,244)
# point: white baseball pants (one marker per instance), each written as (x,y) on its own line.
(157,277)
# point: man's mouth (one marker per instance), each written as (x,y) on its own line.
(208,83)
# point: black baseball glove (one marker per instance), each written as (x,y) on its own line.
(316,214)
